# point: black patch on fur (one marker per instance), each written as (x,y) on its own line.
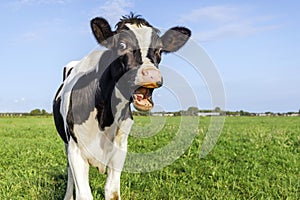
(104,91)
(126,113)
(70,122)
(69,72)
(58,119)
(82,101)
(58,91)
(105,100)
(154,51)
(66,74)
(103,105)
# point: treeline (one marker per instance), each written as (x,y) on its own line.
(268,113)
(191,111)
(194,111)
(39,112)
(35,112)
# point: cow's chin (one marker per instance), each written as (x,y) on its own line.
(142,99)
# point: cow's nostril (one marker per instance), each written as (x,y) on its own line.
(151,76)
(145,72)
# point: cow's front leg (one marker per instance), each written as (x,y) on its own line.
(70,184)
(112,185)
(80,170)
(115,165)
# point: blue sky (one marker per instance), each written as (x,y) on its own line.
(255,46)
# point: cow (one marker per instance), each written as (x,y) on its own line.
(92,107)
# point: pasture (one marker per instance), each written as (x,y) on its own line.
(255,158)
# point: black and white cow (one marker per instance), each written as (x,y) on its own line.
(92,110)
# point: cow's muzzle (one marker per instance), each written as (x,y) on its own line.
(149,79)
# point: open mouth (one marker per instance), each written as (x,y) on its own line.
(142,99)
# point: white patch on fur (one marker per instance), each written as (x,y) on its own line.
(80,171)
(89,137)
(121,105)
(143,35)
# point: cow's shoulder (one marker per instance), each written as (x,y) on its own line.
(82,87)
(82,97)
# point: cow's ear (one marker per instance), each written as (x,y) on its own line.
(175,38)
(102,32)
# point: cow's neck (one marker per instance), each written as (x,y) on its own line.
(111,104)
(121,107)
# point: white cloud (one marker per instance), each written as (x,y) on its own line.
(219,22)
(112,10)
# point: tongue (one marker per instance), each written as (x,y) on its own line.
(142,99)
(139,97)
(141,103)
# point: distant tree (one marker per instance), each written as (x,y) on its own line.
(244,113)
(217,109)
(232,113)
(44,112)
(269,113)
(179,113)
(192,111)
(36,112)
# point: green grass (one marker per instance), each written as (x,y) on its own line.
(255,158)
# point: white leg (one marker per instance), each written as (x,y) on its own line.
(112,185)
(70,186)
(80,170)
(115,165)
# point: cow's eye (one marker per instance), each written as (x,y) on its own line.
(122,46)
(158,51)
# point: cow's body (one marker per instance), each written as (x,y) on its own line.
(92,107)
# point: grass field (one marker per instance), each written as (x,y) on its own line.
(255,158)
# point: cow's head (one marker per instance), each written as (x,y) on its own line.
(138,47)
